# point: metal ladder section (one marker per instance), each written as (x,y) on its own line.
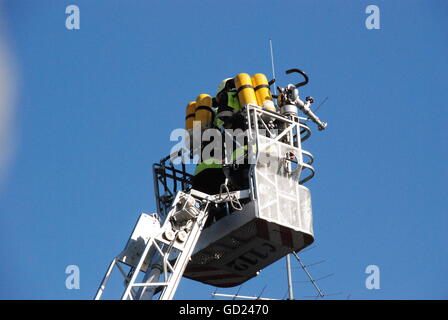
(161,252)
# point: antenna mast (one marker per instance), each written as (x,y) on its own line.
(272,63)
(288,258)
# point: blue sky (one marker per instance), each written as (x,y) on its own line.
(95,107)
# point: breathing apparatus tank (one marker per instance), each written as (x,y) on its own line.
(189,118)
(245,89)
(203,111)
(263,92)
(190,115)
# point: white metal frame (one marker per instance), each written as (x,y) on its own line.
(293,130)
(172,267)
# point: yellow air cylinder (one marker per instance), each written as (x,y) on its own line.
(263,92)
(189,115)
(245,89)
(189,118)
(204,112)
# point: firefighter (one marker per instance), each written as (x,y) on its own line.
(209,175)
(228,106)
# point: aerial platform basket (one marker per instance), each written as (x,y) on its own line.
(276,216)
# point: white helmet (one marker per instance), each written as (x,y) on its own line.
(222,85)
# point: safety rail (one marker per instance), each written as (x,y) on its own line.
(168,181)
(293,128)
(305,131)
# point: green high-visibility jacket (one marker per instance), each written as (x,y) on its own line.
(233,101)
(208,164)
